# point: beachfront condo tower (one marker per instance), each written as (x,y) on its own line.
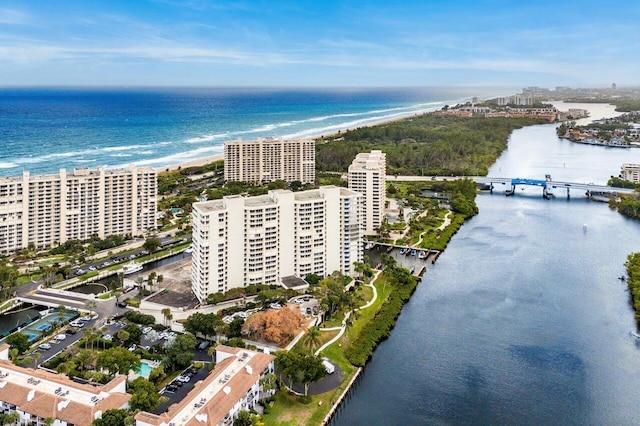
(367,175)
(44,210)
(240,241)
(269,159)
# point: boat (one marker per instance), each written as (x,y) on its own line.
(422,254)
(413,252)
(131,268)
(622,278)
(634,334)
(404,250)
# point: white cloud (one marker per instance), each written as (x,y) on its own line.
(13,17)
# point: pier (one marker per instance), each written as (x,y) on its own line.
(402,254)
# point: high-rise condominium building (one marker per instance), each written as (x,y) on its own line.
(367,175)
(266,160)
(630,172)
(239,241)
(47,209)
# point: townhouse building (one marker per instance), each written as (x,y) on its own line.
(38,394)
(232,386)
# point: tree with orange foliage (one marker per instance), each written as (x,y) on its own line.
(275,326)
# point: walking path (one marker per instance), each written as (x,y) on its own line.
(343,327)
(447,221)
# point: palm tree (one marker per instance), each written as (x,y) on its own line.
(166,312)
(90,336)
(212,352)
(311,338)
(91,305)
(61,311)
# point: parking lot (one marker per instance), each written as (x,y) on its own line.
(56,346)
(180,391)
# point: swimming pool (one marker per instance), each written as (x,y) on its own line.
(144,369)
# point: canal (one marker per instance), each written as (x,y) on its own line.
(523,319)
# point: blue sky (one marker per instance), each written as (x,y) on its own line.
(319,43)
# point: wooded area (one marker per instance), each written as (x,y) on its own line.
(426,144)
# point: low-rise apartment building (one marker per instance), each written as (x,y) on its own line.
(47,209)
(269,159)
(38,394)
(232,386)
(239,241)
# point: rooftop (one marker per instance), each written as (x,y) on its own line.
(211,399)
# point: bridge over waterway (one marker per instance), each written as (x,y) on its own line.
(547,184)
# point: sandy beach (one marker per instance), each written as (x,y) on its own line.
(596,111)
(210,159)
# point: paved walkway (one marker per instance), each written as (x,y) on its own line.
(343,327)
(447,221)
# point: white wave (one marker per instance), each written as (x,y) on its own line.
(88,160)
(119,155)
(122,148)
(7,165)
(181,157)
(147,152)
(207,138)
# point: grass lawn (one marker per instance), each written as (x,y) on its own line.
(287,410)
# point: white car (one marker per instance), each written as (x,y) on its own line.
(44,346)
(184,379)
(85,318)
(275,306)
(243,315)
(61,337)
(145,330)
(107,337)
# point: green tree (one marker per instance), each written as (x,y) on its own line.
(151,244)
(166,313)
(61,311)
(179,352)
(117,360)
(310,369)
(311,338)
(144,395)
(243,419)
(8,279)
(18,341)
(115,417)
(85,358)
(91,306)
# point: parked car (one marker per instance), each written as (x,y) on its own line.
(121,305)
(71,331)
(44,346)
(184,379)
(80,271)
(145,330)
(92,268)
(107,337)
(60,337)
(177,383)
(132,348)
(171,388)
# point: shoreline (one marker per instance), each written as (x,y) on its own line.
(593,108)
(198,162)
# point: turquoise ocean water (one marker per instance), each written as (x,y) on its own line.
(45,129)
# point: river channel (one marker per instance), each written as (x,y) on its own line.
(523,319)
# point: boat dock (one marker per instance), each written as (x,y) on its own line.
(413,258)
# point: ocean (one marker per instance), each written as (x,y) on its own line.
(45,129)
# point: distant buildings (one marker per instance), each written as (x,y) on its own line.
(518,100)
(630,172)
(38,394)
(232,386)
(47,209)
(367,174)
(266,160)
(239,241)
